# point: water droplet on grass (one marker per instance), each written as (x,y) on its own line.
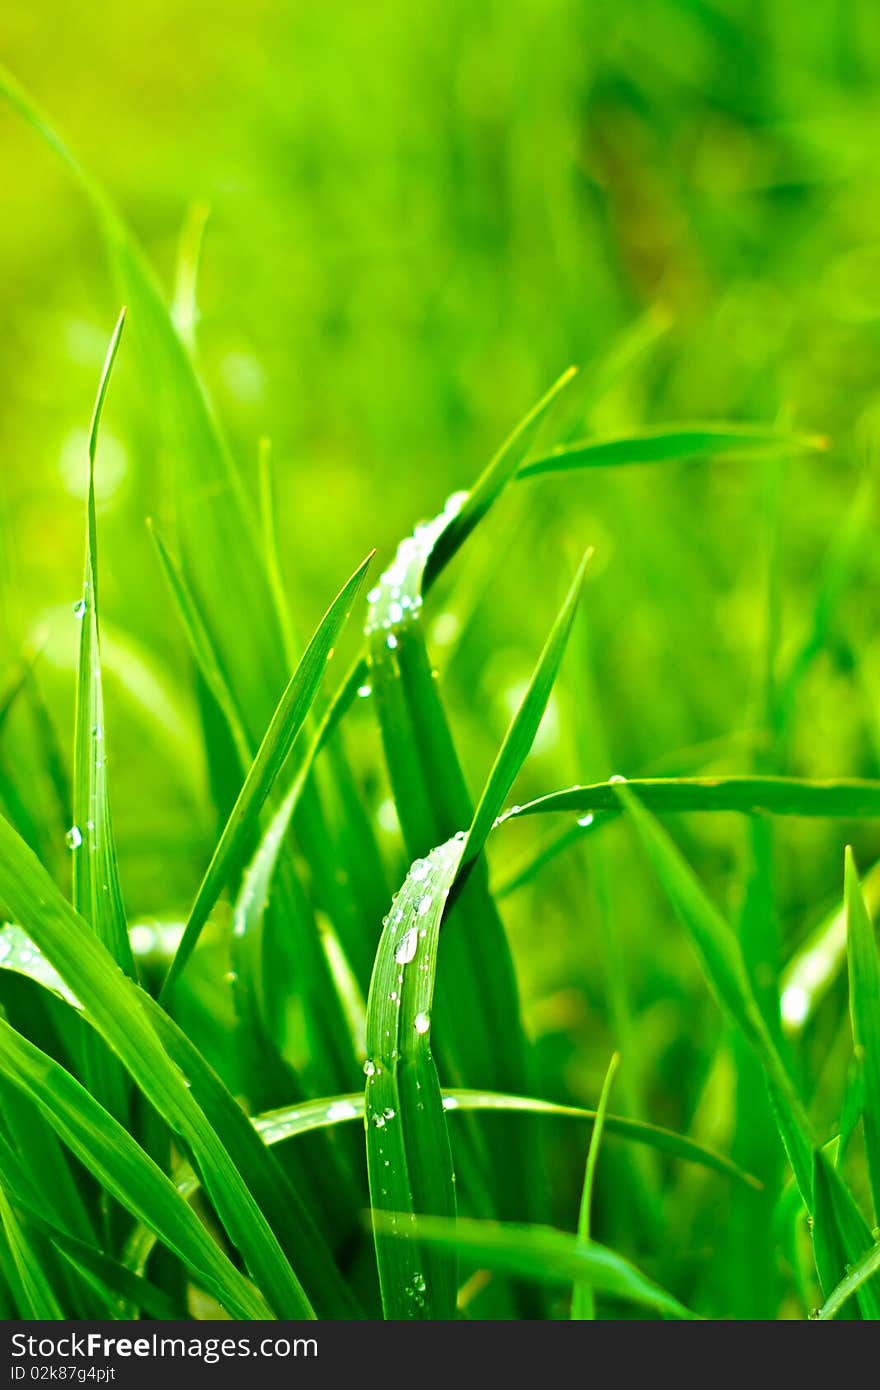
(407,948)
(74,837)
(422,1022)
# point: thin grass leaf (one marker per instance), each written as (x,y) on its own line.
(847,798)
(409,1160)
(521,733)
(97,895)
(548,1256)
(284,727)
(818,961)
(120,1165)
(720,956)
(117,1008)
(492,481)
(202,645)
(583,1303)
(861,1274)
(670,444)
(116,1283)
(828,1247)
(864,1004)
(40,1299)
(184,305)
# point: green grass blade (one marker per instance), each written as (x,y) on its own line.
(116,1283)
(816,964)
(583,1303)
(492,481)
(96,892)
(720,956)
(670,445)
(218,530)
(40,1300)
(721,959)
(861,1273)
(864,1003)
(409,1161)
(828,1246)
(201,642)
(287,721)
(548,1256)
(520,736)
(124,1169)
(278,1125)
(849,798)
(117,1008)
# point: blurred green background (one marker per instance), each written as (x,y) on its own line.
(418,217)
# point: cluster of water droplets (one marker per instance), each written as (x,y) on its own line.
(396,599)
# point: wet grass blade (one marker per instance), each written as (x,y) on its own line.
(671,444)
(547,1256)
(864,1003)
(97,895)
(861,1273)
(123,1168)
(847,799)
(116,1007)
(583,1303)
(39,1298)
(287,721)
(723,966)
(409,1160)
(278,1125)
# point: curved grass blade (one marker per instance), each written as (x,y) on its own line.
(409,1160)
(122,1167)
(524,726)
(113,1282)
(720,956)
(548,1256)
(583,1303)
(39,1298)
(492,481)
(859,1275)
(96,892)
(816,964)
(847,798)
(278,1125)
(202,645)
(218,529)
(117,1008)
(670,444)
(864,1004)
(284,727)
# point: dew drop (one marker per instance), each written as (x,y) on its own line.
(422,1022)
(79,608)
(74,837)
(407,948)
(616,778)
(364,691)
(586,820)
(369,1067)
(391,641)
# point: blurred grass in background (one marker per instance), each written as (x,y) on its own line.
(416,221)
